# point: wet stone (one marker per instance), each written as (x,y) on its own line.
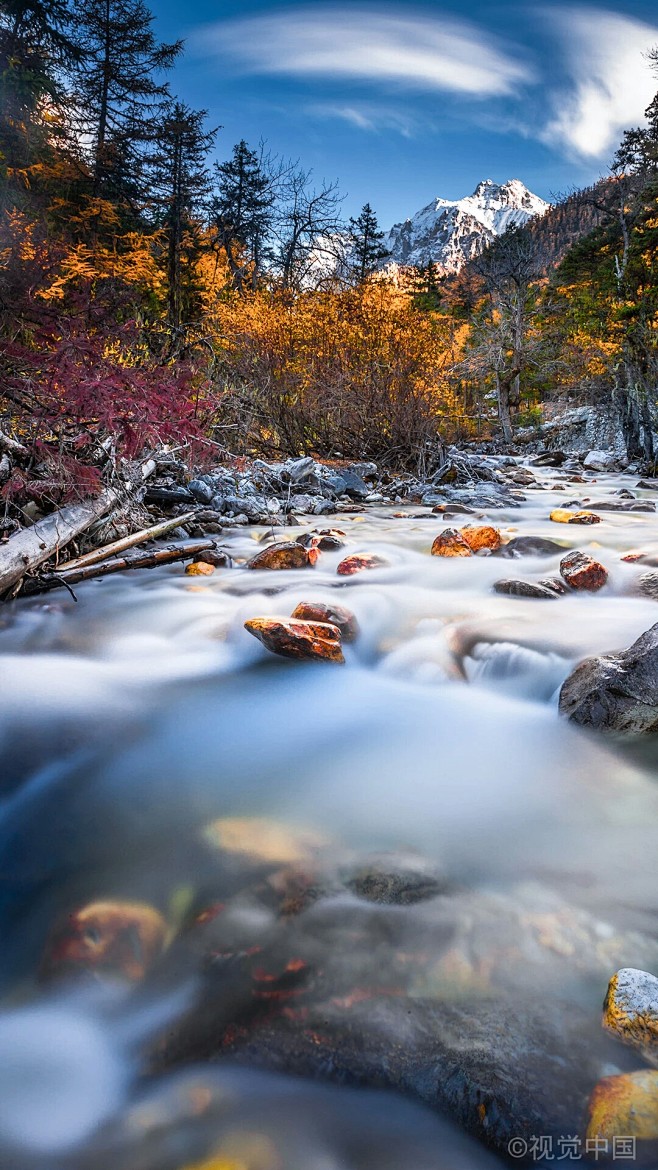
(335,615)
(581,571)
(616,692)
(396,880)
(358,562)
(451,543)
(297,639)
(530,546)
(630,1011)
(482,536)
(285,555)
(514,588)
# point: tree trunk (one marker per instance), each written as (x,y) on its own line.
(503,392)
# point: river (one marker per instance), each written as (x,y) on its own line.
(138,720)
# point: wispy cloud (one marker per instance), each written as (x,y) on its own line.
(612,81)
(359,44)
(366,116)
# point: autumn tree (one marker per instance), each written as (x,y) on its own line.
(308,238)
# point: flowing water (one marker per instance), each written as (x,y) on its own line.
(132,720)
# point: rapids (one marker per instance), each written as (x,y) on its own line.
(132,719)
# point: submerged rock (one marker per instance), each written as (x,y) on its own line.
(530,546)
(199,569)
(335,615)
(581,571)
(616,692)
(296,639)
(566,516)
(396,880)
(108,939)
(513,588)
(358,562)
(285,555)
(623,1115)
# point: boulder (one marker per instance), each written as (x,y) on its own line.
(358,562)
(202,492)
(623,1115)
(616,692)
(199,569)
(530,546)
(514,588)
(284,555)
(630,1010)
(600,461)
(649,584)
(297,639)
(566,516)
(581,571)
(481,536)
(451,543)
(335,615)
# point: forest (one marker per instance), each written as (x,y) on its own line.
(150,296)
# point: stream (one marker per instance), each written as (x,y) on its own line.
(153,752)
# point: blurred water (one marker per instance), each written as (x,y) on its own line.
(132,719)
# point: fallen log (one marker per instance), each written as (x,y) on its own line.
(32,546)
(118,546)
(143,560)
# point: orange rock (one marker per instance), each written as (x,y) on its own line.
(358,562)
(107,938)
(451,543)
(335,615)
(481,536)
(626,1104)
(285,555)
(564,516)
(632,558)
(200,569)
(265,840)
(295,639)
(581,571)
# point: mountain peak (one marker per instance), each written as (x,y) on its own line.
(451,232)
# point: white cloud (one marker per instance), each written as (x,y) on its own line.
(366,116)
(337,42)
(612,82)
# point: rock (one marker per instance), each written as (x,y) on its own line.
(451,543)
(565,516)
(623,1113)
(199,569)
(481,536)
(530,546)
(630,1011)
(329,539)
(648,583)
(285,555)
(298,470)
(216,557)
(513,588)
(456,509)
(346,482)
(296,639)
(581,571)
(334,615)
(396,880)
(523,476)
(358,562)
(202,492)
(167,496)
(616,692)
(302,504)
(624,505)
(264,840)
(108,939)
(556,584)
(599,461)
(550,459)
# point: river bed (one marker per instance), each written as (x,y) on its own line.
(135,719)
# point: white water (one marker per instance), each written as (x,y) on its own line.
(131,719)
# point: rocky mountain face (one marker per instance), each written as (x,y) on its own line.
(449,233)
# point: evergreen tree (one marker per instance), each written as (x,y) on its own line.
(241,213)
(179,183)
(35,47)
(117,88)
(366,241)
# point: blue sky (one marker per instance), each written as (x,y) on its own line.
(403,101)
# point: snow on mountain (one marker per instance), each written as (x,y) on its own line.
(450,232)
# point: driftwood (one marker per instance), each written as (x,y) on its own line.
(126,542)
(11,446)
(28,549)
(143,560)
(32,546)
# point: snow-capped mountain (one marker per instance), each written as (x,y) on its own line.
(450,232)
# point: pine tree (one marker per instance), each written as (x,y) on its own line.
(118,91)
(179,183)
(366,241)
(35,48)
(241,213)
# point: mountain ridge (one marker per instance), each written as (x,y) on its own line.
(450,232)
